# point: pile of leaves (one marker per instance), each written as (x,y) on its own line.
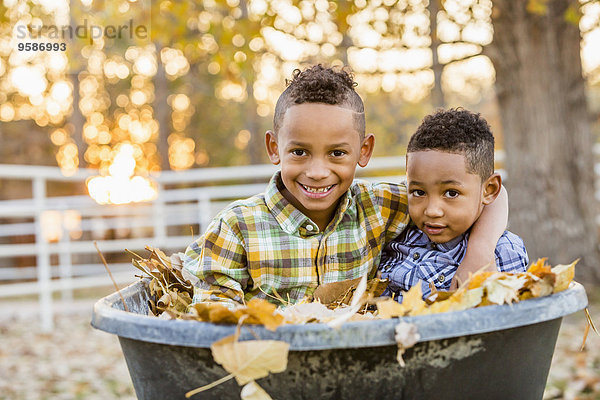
(171,289)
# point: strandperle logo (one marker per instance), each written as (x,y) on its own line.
(86,30)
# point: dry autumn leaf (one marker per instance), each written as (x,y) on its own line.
(252,391)
(251,359)
(564,275)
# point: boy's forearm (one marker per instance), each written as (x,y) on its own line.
(483,238)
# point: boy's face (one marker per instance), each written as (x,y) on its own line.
(444,200)
(318,148)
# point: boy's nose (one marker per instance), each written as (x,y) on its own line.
(434,209)
(317,170)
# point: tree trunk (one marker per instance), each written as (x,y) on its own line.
(437,94)
(547,134)
(162,111)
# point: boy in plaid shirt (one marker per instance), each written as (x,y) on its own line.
(313,225)
(450,177)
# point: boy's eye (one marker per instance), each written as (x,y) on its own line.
(338,153)
(417,192)
(298,152)
(451,194)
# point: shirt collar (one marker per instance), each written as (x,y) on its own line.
(416,237)
(289,217)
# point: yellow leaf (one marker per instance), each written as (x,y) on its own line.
(413,300)
(539,267)
(478,279)
(262,312)
(564,276)
(544,286)
(504,288)
(251,359)
(252,391)
(389,308)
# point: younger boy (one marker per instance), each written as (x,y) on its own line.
(313,225)
(450,177)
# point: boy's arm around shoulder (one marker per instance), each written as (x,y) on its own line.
(392,200)
(483,238)
(218,259)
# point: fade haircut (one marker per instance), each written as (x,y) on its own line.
(319,84)
(457,131)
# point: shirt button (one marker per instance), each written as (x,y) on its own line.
(416,256)
(441,278)
(309,228)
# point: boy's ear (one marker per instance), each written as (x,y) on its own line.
(491,188)
(272,147)
(366,150)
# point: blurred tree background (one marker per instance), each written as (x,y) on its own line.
(199,90)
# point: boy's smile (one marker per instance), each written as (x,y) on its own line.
(318,148)
(444,200)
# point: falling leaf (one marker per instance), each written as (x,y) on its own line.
(252,391)
(564,275)
(250,360)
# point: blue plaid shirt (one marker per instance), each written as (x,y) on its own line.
(412,257)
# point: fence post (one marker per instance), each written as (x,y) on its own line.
(65,264)
(203,211)
(42,256)
(158,218)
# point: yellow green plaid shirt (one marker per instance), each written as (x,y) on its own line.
(265,244)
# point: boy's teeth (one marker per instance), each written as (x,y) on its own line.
(316,190)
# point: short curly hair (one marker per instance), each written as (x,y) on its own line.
(457,131)
(319,84)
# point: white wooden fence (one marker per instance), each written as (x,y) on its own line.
(56,235)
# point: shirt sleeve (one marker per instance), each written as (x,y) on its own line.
(511,255)
(393,201)
(218,258)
